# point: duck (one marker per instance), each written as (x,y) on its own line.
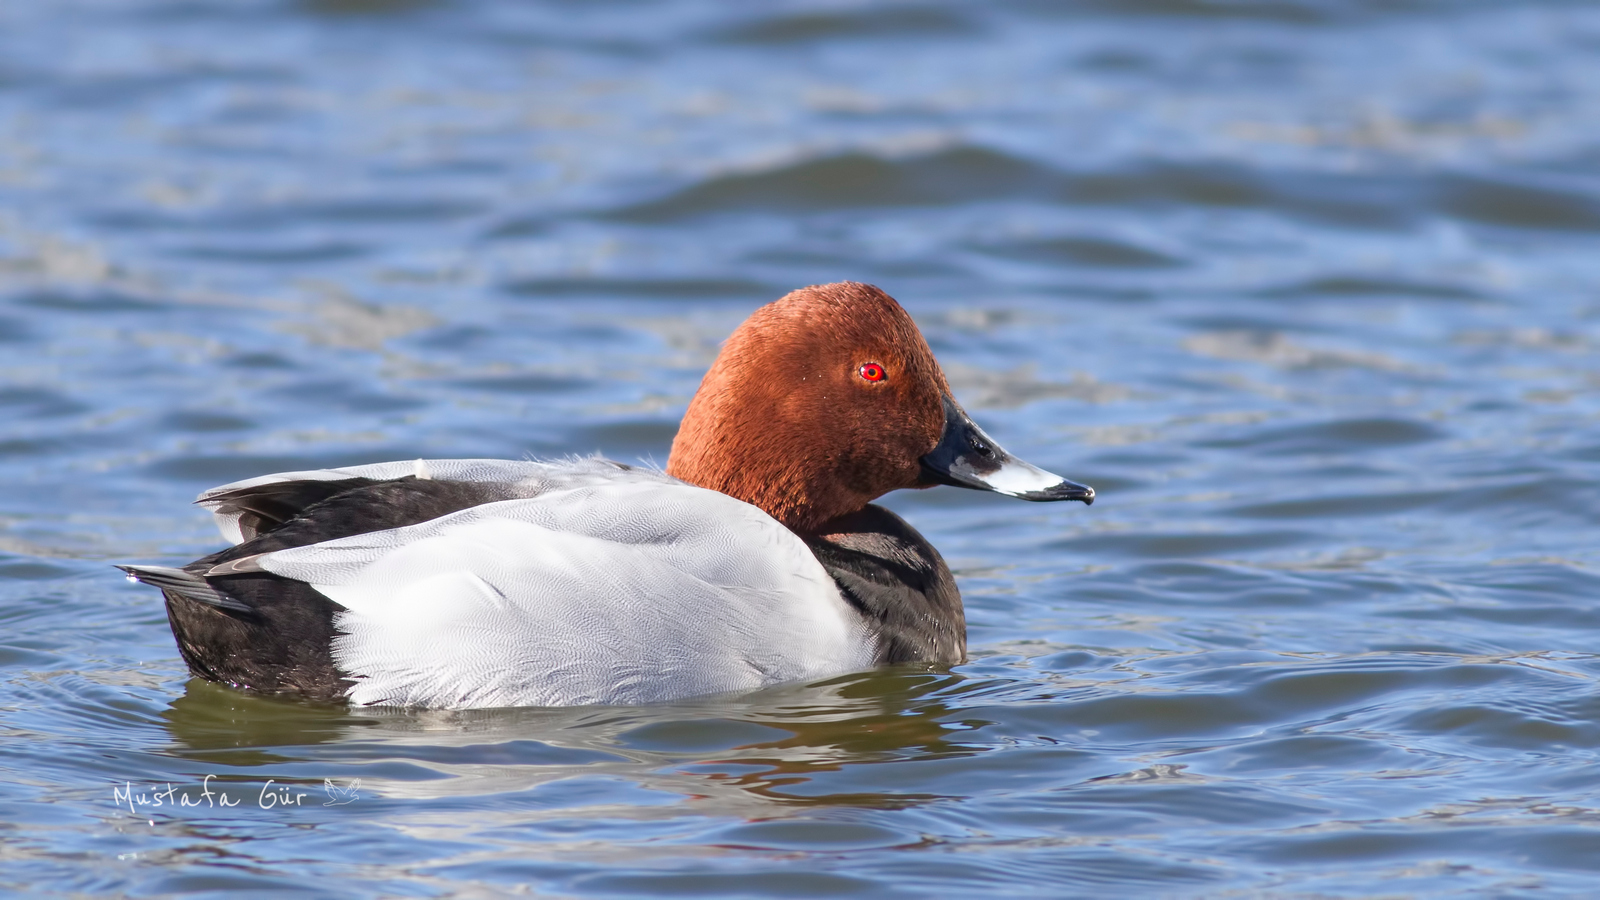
(756,557)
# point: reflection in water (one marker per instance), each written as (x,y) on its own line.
(210,717)
(772,745)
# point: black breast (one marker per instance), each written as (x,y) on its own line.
(898,583)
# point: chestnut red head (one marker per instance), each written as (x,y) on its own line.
(829,398)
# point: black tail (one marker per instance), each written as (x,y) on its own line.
(255,631)
(188,585)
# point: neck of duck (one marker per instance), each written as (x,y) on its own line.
(786,477)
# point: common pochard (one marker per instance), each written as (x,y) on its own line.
(756,558)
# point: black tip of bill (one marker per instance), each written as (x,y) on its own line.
(1066,490)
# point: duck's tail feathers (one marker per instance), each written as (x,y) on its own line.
(185,584)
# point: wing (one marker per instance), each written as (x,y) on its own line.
(602,587)
(255,506)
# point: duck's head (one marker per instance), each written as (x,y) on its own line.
(828,398)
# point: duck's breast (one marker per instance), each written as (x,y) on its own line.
(622,587)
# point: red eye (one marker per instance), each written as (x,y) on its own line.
(872,372)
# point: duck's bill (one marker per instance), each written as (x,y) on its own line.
(966,457)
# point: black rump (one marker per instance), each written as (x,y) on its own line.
(273,634)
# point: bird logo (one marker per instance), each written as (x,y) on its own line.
(339,796)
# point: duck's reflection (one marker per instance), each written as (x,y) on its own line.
(797,744)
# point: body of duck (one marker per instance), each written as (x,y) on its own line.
(756,558)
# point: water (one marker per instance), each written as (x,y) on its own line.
(1307,290)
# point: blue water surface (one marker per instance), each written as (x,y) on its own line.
(1308,290)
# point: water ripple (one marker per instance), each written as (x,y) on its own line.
(1302,288)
